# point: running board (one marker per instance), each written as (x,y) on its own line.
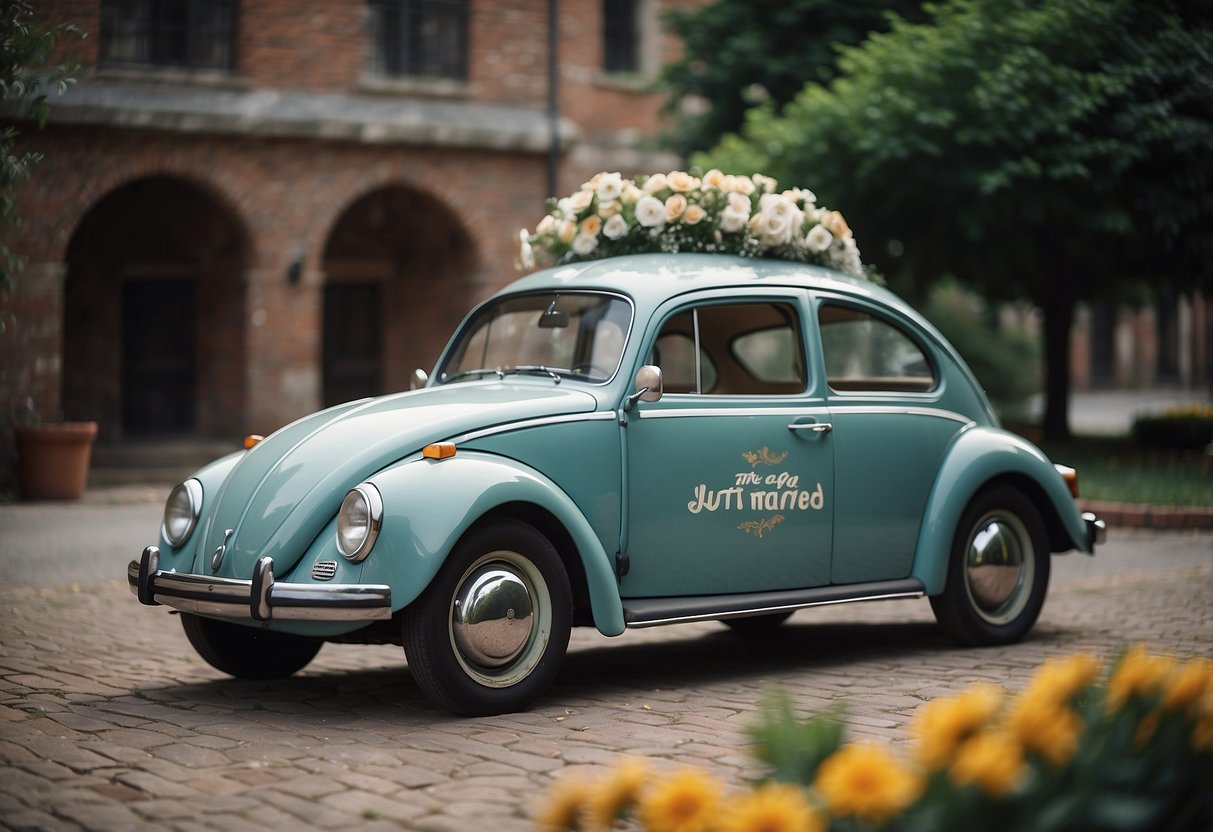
(653,612)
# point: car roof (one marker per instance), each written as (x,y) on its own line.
(650,279)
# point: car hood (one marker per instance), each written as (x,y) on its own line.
(284,491)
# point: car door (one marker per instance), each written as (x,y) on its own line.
(729,475)
(890,431)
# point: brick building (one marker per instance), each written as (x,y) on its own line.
(249,209)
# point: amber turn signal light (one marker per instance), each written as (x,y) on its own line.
(439,450)
(251,440)
(1071,477)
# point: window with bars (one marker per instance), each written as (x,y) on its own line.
(198,34)
(419,38)
(620,35)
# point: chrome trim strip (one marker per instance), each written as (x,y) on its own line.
(684,619)
(652,612)
(568,418)
(672,413)
(260,599)
(815,408)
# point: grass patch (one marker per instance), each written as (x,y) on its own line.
(1119,470)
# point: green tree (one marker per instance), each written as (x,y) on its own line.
(1058,151)
(26,80)
(740,52)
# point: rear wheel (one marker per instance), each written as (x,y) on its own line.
(248,652)
(490,632)
(998,571)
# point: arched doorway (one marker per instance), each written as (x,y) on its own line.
(396,282)
(154,313)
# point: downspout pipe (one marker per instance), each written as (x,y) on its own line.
(553,96)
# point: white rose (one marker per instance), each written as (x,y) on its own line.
(566,230)
(654,183)
(681,181)
(732,221)
(630,194)
(609,209)
(610,187)
(739,204)
(713,179)
(583,244)
(650,212)
(545,225)
(818,238)
(526,255)
(615,227)
(694,214)
(581,200)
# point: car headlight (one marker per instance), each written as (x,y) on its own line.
(358,522)
(181,512)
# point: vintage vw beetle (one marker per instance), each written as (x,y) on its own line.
(622,443)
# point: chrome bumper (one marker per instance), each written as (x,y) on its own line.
(1097,529)
(261,599)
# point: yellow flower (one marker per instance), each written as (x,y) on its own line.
(1192,681)
(694,215)
(772,807)
(687,801)
(565,806)
(681,181)
(618,794)
(992,760)
(1139,674)
(1045,726)
(866,781)
(943,724)
(713,179)
(1058,680)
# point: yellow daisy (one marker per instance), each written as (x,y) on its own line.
(866,781)
(942,725)
(772,807)
(686,801)
(1139,674)
(565,806)
(992,760)
(618,794)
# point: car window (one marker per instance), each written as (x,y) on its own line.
(865,352)
(732,349)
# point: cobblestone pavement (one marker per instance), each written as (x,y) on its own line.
(108,720)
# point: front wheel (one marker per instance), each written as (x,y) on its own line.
(489,633)
(998,571)
(248,652)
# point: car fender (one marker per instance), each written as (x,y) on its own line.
(428,504)
(975,457)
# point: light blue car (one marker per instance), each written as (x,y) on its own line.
(623,443)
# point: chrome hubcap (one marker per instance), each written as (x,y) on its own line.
(999,567)
(500,619)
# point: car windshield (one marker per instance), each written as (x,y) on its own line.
(558,334)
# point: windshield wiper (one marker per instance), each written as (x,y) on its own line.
(534,368)
(477,372)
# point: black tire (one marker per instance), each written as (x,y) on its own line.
(755,626)
(998,570)
(248,652)
(471,657)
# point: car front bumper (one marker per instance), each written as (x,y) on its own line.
(259,599)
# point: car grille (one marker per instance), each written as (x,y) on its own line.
(324,570)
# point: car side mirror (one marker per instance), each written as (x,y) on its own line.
(420,379)
(648,386)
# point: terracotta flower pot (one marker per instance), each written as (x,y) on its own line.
(53,459)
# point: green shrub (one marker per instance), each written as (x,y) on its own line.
(1181,428)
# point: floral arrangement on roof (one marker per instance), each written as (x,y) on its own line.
(680,212)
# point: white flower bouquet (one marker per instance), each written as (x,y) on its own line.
(679,212)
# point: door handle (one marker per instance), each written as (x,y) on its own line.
(816,427)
